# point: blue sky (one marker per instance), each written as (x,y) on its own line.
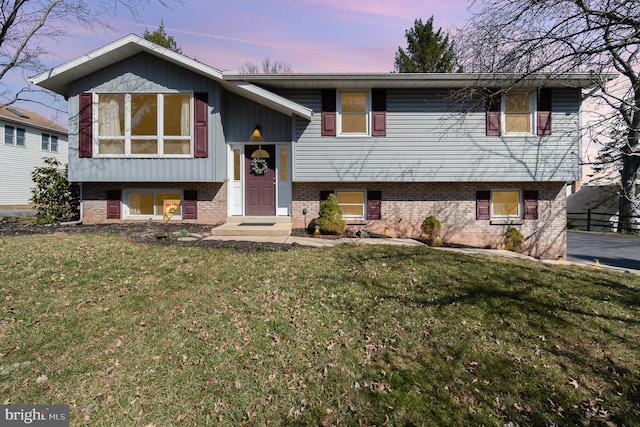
(310,35)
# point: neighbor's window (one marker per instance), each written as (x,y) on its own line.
(150,203)
(505,204)
(518,112)
(49,143)
(14,136)
(351,203)
(354,113)
(142,125)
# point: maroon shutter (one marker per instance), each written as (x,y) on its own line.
(190,205)
(374,204)
(329,112)
(201,124)
(493,116)
(85,125)
(113,204)
(483,205)
(530,204)
(543,118)
(378,112)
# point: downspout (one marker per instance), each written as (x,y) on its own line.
(80,220)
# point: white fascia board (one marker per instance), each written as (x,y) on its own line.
(58,78)
(269,99)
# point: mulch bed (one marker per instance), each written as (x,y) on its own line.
(153,234)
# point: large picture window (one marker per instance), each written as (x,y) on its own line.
(144,125)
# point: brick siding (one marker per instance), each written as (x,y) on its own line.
(212,201)
(405,205)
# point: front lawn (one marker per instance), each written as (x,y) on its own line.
(134,334)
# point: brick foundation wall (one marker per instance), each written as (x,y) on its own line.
(405,205)
(212,201)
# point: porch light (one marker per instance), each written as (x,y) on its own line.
(256,136)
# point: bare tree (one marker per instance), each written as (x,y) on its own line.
(28,27)
(268,67)
(561,36)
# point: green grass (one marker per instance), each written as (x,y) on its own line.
(128,334)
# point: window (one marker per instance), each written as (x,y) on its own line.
(354,113)
(49,143)
(518,110)
(146,204)
(351,203)
(237,164)
(283,164)
(143,125)
(505,204)
(14,136)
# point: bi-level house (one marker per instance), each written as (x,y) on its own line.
(26,139)
(149,125)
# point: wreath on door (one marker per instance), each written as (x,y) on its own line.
(259,166)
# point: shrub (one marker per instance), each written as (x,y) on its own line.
(330,217)
(572,225)
(56,199)
(431,228)
(513,240)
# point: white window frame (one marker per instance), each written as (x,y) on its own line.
(51,143)
(520,204)
(129,191)
(14,137)
(364,202)
(127,127)
(49,139)
(339,114)
(532,113)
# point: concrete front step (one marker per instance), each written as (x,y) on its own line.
(254,226)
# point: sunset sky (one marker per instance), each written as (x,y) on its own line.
(309,35)
(313,36)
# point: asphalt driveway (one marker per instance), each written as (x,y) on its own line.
(608,248)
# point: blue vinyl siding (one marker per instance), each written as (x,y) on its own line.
(146,73)
(433,137)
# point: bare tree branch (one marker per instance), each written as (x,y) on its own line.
(563,36)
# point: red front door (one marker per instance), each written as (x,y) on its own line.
(260,194)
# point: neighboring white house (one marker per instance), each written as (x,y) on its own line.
(595,208)
(26,139)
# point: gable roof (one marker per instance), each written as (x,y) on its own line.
(19,116)
(59,78)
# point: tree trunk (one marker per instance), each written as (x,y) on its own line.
(626,211)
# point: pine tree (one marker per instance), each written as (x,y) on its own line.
(427,51)
(161,38)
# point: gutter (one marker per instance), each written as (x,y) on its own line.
(78,222)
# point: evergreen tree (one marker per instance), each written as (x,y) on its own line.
(161,38)
(427,51)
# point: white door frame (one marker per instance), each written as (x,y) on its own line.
(236,190)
